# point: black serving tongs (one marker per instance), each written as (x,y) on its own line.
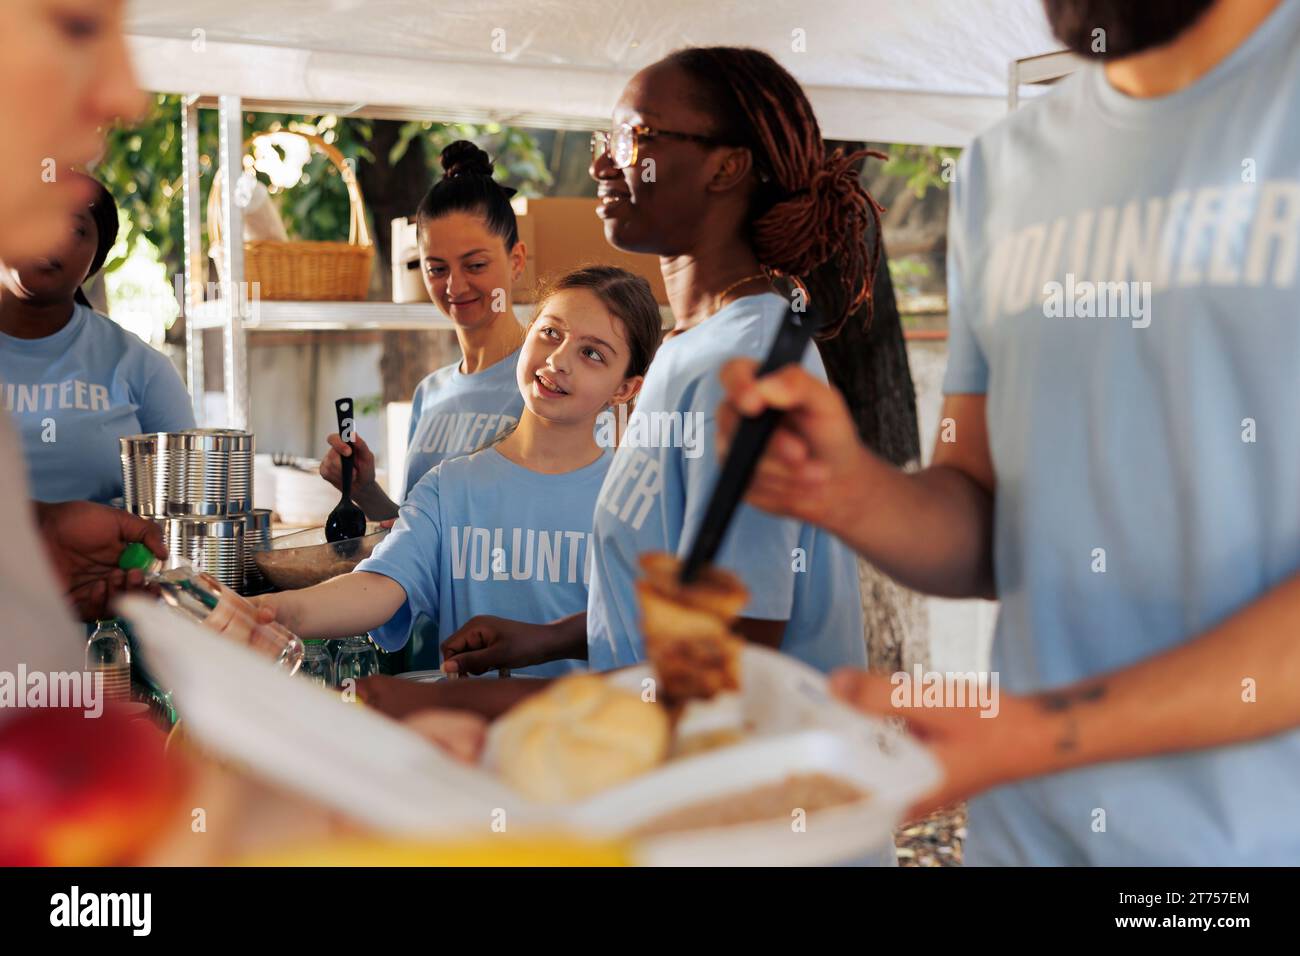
(747,445)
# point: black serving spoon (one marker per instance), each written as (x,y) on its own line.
(747,446)
(346,521)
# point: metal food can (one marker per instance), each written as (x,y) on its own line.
(257,537)
(209,543)
(137,454)
(206,472)
(239,448)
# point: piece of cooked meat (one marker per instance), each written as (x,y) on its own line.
(715,590)
(686,629)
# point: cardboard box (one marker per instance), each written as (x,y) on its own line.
(563,234)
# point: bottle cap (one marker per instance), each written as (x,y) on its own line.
(136,556)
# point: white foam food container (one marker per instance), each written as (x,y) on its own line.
(382,774)
(793,727)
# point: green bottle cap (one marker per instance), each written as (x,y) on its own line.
(136,556)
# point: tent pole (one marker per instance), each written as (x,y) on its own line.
(191,293)
(235,296)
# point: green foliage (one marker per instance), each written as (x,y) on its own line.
(906,273)
(924,167)
(142,168)
(908,267)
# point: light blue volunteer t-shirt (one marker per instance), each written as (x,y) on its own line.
(482,535)
(1159,441)
(453,414)
(656,492)
(73,394)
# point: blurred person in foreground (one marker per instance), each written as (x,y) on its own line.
(64,77)
(1119,456)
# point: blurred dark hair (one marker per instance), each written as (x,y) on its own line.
(628,297)
(467,186)
(103,211)
(1129,26)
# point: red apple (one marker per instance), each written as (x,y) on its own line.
(78,791)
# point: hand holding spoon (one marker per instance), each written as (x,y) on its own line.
(346,520)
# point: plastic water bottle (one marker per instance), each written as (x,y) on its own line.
(356,658)
(206,600)
(108,654)
(317,665)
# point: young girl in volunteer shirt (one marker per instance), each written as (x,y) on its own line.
(470,256)
(507,529)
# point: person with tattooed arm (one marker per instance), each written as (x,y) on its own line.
(1126,481)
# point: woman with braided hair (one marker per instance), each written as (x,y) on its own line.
(716,164)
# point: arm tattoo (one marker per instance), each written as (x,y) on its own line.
(1064,703)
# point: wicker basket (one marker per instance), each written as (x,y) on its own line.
(306,271)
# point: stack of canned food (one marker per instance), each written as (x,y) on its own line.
(198,485)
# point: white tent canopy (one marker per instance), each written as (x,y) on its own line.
(910,71)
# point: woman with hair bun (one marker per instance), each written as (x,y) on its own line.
(470,256)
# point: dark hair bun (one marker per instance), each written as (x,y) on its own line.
(464,158)
(467,186)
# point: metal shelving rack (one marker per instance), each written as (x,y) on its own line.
(235,314)
(234,311)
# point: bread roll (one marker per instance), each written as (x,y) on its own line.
(578,737)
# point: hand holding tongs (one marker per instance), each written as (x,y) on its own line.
(751,438)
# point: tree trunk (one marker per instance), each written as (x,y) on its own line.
(868,364)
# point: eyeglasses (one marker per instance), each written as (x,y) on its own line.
(623,143)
